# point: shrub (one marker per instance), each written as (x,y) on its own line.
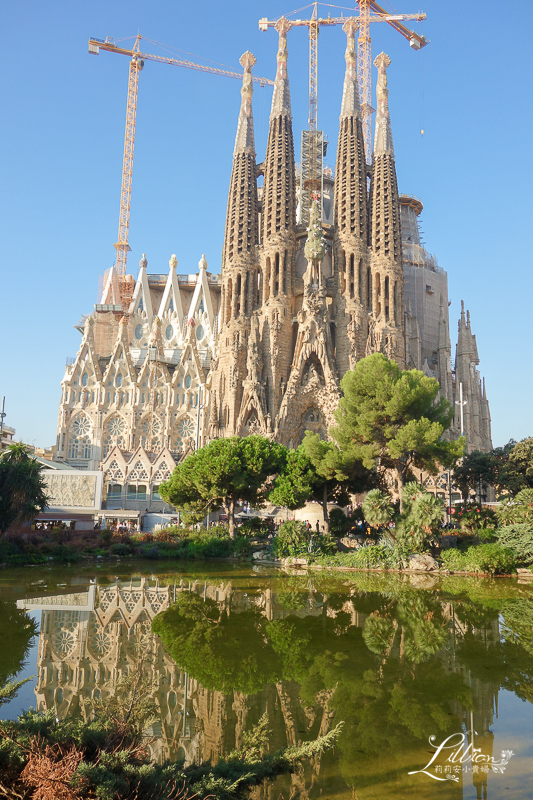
(492,559)
(519,539)
(164,535)
(371,556)
(377,508)
(338,522)
(474,518)
(518,509)
(455,560)
(105,537)
(7,551)
(292,539)
(120,549)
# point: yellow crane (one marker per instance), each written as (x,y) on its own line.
(363,63)
(125,287)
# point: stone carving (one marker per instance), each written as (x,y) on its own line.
(71,491)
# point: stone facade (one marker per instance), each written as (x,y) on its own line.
(263,347)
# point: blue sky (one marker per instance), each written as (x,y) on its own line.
(61,146)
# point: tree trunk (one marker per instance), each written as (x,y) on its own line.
(231,518)
(400,479)
(325,510)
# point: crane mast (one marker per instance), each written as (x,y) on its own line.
(124,288)
(364,66)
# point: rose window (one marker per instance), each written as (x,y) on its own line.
(185,430)
(100,641)
(63,641)
(116,426)
(151,433)
(115,434)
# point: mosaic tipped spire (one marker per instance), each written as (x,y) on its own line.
(351,106)
(383,135)
(281,98)
(244,140)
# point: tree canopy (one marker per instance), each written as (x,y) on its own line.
(22,487)
(311,472)
(392,420)
(222,472)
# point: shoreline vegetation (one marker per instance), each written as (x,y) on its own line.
(475,553)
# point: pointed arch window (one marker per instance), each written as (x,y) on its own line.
(80,435)
(140,307)
(171,306)
(114,434)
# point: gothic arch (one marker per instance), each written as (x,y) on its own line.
(313,420)
(150,432)
(80,437)
(115,431)
(313,371)
(183,436)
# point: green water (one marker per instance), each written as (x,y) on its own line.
(396,659)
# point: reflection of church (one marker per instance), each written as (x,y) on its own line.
(89,640)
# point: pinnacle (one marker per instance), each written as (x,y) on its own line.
(351,106)
(383,136)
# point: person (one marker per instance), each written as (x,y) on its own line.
(317,526)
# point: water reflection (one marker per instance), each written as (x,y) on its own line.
(395,662)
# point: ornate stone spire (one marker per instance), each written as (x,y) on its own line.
(351,207)
(242,225)
(244,141)
(279,188)
(281,97)
(386,234)
(351,106)
(383,134)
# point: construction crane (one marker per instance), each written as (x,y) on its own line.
(364,56)
(124,287)
(364,65)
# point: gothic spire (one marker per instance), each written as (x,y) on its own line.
(351,106)
(383,134)
(244,141)
(242,216)
(350,174)
(386,235)
(279,188)
(281,97)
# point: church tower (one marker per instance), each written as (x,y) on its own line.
(278,244)
(351,218)
(385,274)
(240,269)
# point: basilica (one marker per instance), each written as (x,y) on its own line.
(320,268)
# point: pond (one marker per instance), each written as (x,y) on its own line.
(432,678)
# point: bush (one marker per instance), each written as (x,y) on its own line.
(519,539)
(517,509)
(120,549)
(372,556)
(495,559)
(338,522)
(292,539)
(492,559)
(105,537)
(474,518)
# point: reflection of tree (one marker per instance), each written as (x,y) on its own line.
(222,650)
(510,658)
(18,629)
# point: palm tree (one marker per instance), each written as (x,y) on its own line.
(377,508)
(22,487)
